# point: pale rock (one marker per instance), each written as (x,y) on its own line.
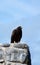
(13,54)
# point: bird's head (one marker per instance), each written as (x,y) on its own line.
(19,27)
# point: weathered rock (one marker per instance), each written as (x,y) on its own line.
(6,45)
(2,63)
(14,54)
(19,45)
(11,63)
(1,55)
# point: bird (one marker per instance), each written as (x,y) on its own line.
(16,35)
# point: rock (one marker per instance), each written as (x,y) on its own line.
(6,45)
(2,63)
(1,55)
(11,63)
(19,45)
(14,54)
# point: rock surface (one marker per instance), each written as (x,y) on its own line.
(13,54)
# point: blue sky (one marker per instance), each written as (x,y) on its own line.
(27,14)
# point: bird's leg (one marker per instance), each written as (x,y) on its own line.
(14,42)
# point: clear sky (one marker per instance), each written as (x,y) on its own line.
(27,14)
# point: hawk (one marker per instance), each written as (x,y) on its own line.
(16,35)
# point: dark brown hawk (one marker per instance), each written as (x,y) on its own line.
(16,35)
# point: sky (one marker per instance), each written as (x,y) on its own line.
(27,14)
